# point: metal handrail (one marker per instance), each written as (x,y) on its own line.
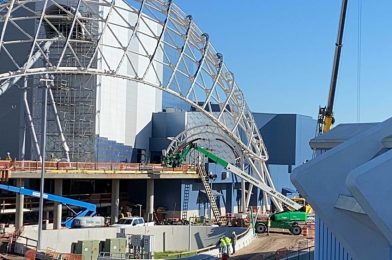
(53,166)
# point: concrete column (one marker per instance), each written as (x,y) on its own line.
(243,196)
(58,208)
(115,200)
(19,206)
(230,199)
(150,200)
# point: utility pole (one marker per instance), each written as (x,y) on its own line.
(43,155)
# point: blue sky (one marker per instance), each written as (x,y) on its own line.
(281,52)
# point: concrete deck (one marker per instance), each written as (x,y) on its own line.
(102,175)
(86,170)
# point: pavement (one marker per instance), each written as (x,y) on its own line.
(265,246)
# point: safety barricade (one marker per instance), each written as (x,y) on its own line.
(5,167)
(71,257)
(5,175)
(53,254)
(30,254)
(308,231)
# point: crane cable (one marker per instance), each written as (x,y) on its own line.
(359,60)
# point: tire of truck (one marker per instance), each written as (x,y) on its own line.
(261,228)
(296,230)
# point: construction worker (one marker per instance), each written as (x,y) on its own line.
(228,244)
(8,157)
(222,245)
(233,240)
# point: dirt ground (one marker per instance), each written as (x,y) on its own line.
(265,246)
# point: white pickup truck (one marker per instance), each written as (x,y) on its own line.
(132,222)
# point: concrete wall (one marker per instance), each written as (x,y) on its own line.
(170,238)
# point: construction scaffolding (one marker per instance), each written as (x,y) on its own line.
(72,97)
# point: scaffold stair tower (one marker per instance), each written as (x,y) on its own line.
(186,201)
(211,198)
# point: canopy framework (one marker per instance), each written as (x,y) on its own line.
(154,43)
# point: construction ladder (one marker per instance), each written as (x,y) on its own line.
(186,201)
(204,178)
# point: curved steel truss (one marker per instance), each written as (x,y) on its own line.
(209,136)
(151,42)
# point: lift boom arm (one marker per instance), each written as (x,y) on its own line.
(88,208)
(325,118)
(179,158)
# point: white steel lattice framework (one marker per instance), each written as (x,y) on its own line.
(80,37)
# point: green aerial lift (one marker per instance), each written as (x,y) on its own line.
(287,219)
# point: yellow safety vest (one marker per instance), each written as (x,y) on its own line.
(222,243)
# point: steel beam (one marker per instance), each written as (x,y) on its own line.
(66,44)
(59,127)
(188,32)
(169,4)
(201,63)
(6,19)
(135,29)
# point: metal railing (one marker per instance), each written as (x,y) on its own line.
(301,254)
(80,167)
(303,251)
